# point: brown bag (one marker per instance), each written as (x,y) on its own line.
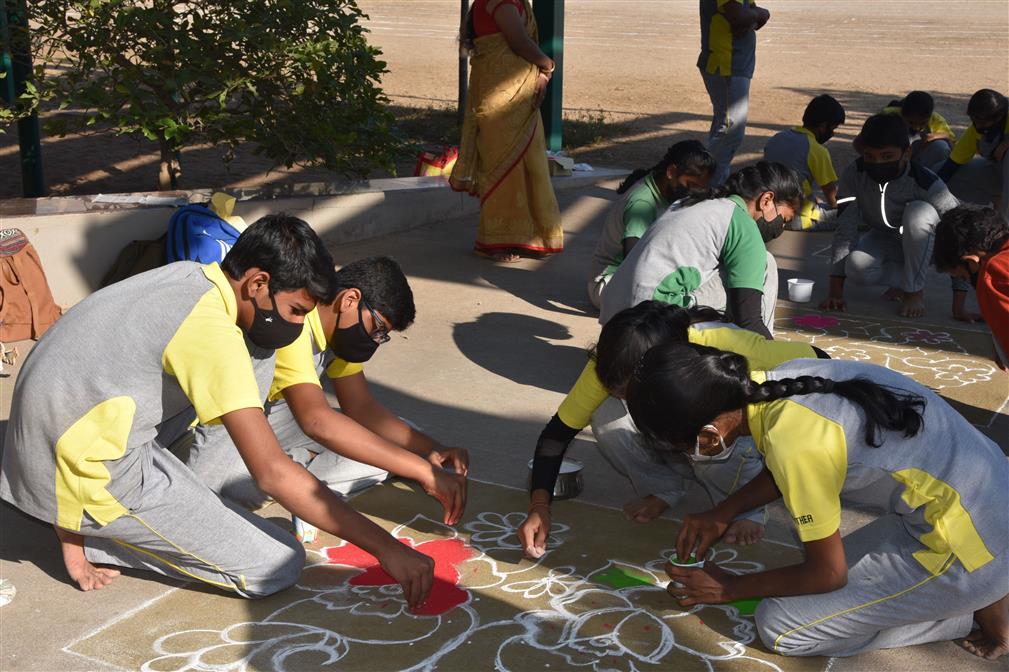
(27,307)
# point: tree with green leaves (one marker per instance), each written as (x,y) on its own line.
(295,78)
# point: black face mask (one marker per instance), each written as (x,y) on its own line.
(679,192)
(353,343)
(770,228)
(269,330)
(881,173)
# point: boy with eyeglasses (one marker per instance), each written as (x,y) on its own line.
(362,443)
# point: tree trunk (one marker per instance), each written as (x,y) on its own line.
(169,170)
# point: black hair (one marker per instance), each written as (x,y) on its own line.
(917,104)
(885,130)
(967,229)
(752,181)
(823,109)
(987,104)
(629,334)
(383,286)
(680,387)
(690,157)
(290,251)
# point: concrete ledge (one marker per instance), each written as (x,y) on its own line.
(79,237)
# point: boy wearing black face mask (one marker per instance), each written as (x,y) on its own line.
(898,204)
(360,446)
(972,243)
(802,149)
(980,159)
(83,450)
(930,135)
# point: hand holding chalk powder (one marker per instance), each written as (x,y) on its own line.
(699,583)
(699,531)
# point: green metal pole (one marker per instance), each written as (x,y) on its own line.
(17,64)
(463,67)
(550,18)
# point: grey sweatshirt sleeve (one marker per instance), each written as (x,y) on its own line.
(940,197)
(846,233)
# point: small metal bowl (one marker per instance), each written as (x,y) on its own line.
(569,480)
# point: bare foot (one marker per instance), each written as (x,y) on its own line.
(893,294)
(913,304)
(87,576)
(743,533)
(992,640)
(644,510)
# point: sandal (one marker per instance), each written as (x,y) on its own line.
(500,256)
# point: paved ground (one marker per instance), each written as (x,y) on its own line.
(629,62)
(490,357)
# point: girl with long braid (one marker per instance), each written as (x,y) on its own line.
(712,250)
(686,166)
(933,563)
(659,478)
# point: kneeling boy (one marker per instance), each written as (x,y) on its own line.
(802,149)
(900,204)
(359,447)
(81,448)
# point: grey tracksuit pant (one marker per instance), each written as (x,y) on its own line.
(665,474)
(890,600)
(215,461)
(183,530)
(896,258)
(730,104)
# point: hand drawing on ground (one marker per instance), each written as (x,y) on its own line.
(512,614)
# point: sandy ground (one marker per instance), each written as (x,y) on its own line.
(631,62)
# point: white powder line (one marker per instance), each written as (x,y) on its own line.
(121,617)
(97,661)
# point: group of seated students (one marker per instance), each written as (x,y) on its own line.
(686,385)
(884,211)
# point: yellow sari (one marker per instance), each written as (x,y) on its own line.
(502,154)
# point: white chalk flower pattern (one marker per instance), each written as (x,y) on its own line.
(558,582)
(495,530)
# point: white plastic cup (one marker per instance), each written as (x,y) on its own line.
(691,564)
(800,290)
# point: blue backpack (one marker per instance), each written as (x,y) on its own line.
(196,233)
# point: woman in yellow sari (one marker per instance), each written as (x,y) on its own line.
(502,155)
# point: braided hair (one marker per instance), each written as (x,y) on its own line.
(680,387)
(750,182)
(689,156)
(629,334)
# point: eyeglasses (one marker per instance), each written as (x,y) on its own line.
(380,334)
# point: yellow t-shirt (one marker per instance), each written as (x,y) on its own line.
(807,455)
(812,446)
(301,361)
(588,393)
(936,123)
(207,354)
(967,146)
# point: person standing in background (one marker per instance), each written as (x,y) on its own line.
(728,55)
(502,154)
